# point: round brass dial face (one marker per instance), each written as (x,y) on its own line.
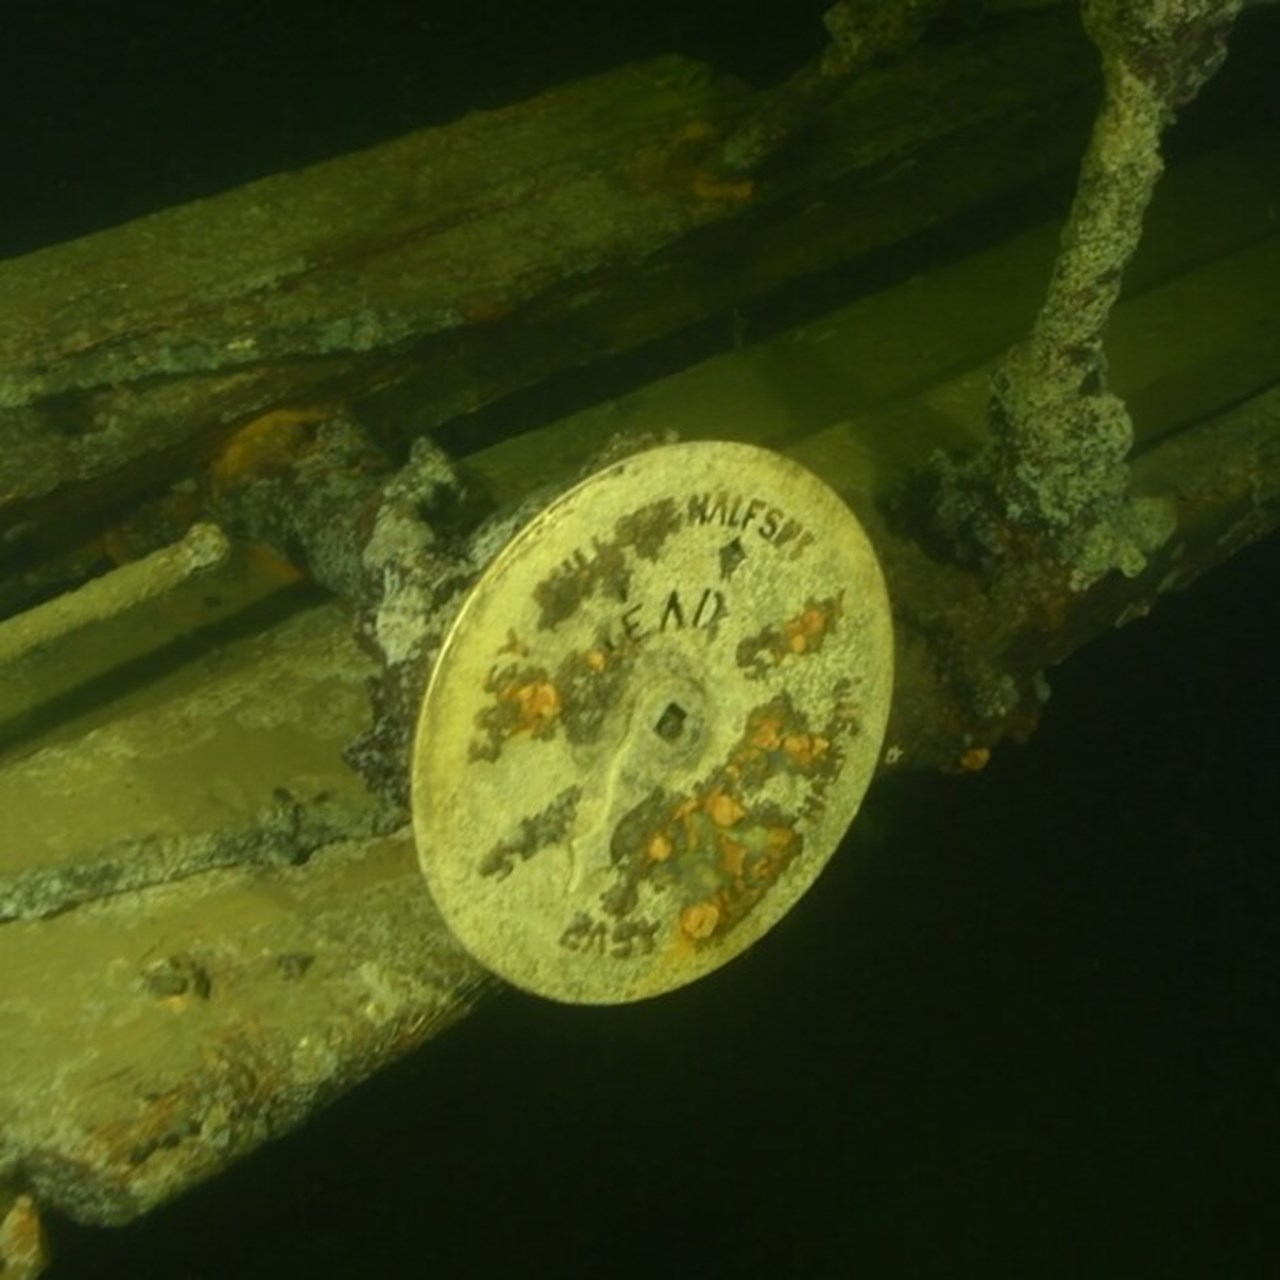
(652,722)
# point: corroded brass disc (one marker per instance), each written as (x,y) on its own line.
(652,722)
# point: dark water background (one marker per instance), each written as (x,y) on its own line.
(113,108)
(1027,1024)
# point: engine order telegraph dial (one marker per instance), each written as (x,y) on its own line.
(652,722)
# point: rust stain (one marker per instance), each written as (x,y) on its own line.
(268,442)
(718,849)
(974,760)
(163,1121)
(526,703)
(706,186)
(798,637)
(485,308)
(699,920)
(22,1244)
(270,564)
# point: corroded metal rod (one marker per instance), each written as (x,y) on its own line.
(203,547)
(1056,477)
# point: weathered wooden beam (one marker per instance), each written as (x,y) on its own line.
(209,1015)
(434,274)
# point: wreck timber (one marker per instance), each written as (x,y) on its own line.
(432,275)
(234,939)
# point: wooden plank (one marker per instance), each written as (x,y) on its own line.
(918,358)
(150,1039)
(427,277)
